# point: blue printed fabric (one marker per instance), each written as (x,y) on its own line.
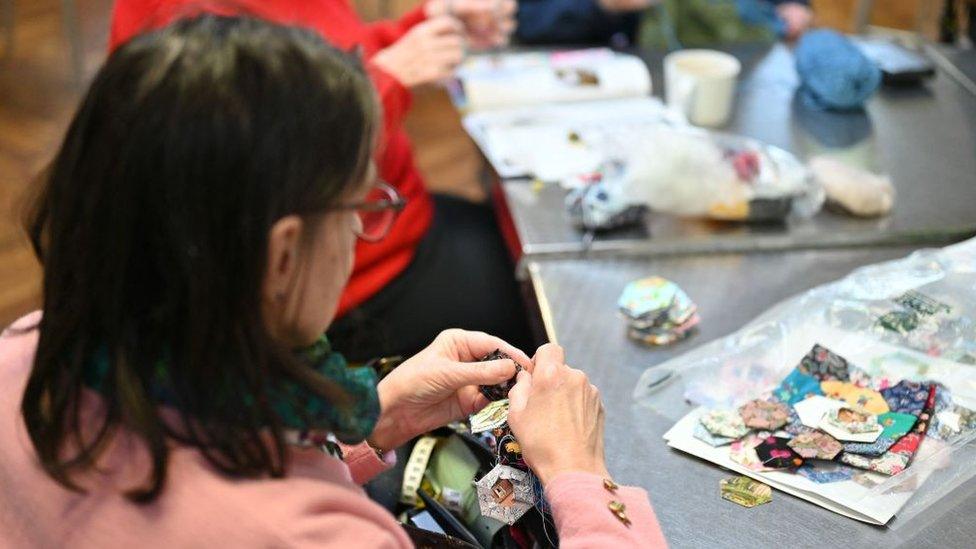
(906,397)
(796,387)
(876,448)
(826,472)
(793,424)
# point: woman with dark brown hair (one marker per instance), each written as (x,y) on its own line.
(444,264)
(197,228)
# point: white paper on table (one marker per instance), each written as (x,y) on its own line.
(847,498)
(812,409)
(534,141)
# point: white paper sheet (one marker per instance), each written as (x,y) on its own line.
(534,141)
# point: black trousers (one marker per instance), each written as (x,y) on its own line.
(461,277)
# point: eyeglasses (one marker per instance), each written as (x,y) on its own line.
(378,212)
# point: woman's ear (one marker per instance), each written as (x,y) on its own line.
(284,243)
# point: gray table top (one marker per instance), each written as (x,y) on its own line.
(925,138)
(578,298)
(963,64)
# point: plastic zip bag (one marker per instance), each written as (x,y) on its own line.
(856,318)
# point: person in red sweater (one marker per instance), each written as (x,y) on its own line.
(444,263)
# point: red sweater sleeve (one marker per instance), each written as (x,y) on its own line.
(386,32)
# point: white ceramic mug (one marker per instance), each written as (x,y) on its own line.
(701,84)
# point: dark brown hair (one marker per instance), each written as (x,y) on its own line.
(152,228)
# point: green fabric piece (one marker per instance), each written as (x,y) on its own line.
(296,406)
(896,424)
(674,24)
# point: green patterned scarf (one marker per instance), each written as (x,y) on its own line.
(296,406)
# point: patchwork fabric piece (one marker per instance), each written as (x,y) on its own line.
(857,397)
(744,453)
(745,491)
(647,297)
(851,425)
(763,414)
(813,444)
(793,425)
(907,397)
(664,334)
(943,398)
(490,417)
(889,463)
(871,449)
(895,425)
(861,378)
(824,365)
(952,422)
(825,473)
(900,455)
(702,434)
(900,322)
(499,391)
(658,312)
(812,410)
(724,423)
(908,444)
(505,494)
(796,387)
(775,453)
(922,304)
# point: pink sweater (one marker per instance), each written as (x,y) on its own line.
(318,504)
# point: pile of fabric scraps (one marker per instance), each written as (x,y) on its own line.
(745,491)
(658,312)
(828,418)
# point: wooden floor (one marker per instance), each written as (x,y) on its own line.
(38,96)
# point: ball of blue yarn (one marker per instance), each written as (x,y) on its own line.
(834,73)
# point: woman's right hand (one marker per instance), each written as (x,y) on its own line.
(557,417)
(427,53)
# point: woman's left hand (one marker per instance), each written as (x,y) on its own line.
(440,385)
(487,23)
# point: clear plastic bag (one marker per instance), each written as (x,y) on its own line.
(864,318)
(701,173)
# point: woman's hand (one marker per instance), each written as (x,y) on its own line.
(798,18)
(557,417)
(487,23)
(440,385)
(427,53)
